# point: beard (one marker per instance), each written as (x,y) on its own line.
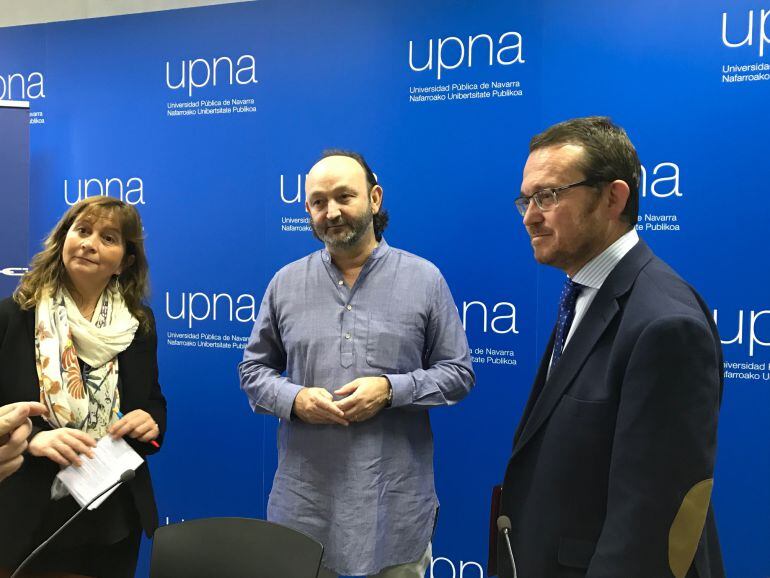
(348,235)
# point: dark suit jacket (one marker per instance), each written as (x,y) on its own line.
(25,494)
(612,463)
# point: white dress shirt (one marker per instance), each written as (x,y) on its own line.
(593,274)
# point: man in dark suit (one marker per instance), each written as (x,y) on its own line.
(612,465)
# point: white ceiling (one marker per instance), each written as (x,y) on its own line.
(19,12)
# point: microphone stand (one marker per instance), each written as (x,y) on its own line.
(124,477)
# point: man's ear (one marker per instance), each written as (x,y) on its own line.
(618,198)
(375,195)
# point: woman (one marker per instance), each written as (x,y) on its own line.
(77,337)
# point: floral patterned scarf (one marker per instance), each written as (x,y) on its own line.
(87,400)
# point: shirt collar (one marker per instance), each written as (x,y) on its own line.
(595,272)
(380,251)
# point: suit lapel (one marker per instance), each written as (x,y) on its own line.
(547,393)
(537,387)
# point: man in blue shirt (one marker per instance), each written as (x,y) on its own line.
(369,339)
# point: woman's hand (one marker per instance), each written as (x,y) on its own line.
(63,446)
(137,424)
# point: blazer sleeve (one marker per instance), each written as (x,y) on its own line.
(662,460)
(138,367)
(18,377)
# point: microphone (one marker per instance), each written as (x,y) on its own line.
(124,477)
(504,527)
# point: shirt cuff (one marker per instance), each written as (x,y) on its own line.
(403,388)
(285,400)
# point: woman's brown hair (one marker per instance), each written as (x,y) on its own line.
(46,271)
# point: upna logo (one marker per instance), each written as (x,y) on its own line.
(661,182)
(288,194)
(13,271)
(732,31)
(293,195)
(452,52)
(441,567)
(750,328)
(130,191)
(194,307)
(198,73)
(17,86)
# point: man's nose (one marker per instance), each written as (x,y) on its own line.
(533,213)
(332,211)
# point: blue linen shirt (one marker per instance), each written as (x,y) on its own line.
(365,491)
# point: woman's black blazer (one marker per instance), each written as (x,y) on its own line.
(25,494)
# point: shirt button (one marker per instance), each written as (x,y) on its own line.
(347,336)
(349,308)
(340,282)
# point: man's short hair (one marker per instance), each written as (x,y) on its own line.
(380,220)
(609,154)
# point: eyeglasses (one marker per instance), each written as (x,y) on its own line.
(547,199)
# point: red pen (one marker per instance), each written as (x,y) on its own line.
(151,442)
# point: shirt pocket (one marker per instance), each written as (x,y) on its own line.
(395,343)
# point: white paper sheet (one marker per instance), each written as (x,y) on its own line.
(111,459)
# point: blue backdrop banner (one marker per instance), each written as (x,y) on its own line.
(207,120)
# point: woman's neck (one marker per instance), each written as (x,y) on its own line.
(85,298)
